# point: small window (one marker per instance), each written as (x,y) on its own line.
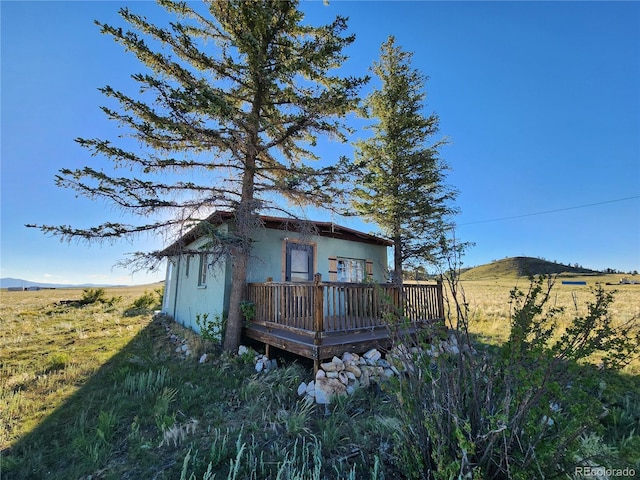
(187,266)
(202,275)
(350,270)
(299,262)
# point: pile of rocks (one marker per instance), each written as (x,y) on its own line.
(183,349)
(341,376)
(263,363)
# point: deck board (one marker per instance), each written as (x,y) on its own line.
(330,344)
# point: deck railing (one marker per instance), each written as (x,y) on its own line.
(335,307)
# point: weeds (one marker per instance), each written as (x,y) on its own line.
(515,412)
(211,330)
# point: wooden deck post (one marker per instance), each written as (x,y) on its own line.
(318,316)
(440,299)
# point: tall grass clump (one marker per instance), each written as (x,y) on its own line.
(141,384)
(519,410)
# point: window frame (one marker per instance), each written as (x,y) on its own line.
(202,270)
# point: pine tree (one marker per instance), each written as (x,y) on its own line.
(401,184)
(234,97)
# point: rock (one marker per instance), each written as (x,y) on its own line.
(242,350)
(332,375)
(203,358)
(373,355)
(347,357)
(350,376)
(354,369)
(184,347)
(387,373)
(302,389)
(327,388)
(433,351)
(329,367)
(311,387)
(320,374)
(338,363)
(259,366)
(344,379)
(273,364)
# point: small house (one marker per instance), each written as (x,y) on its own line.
(316,288)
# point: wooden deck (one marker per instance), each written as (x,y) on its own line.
(318,320)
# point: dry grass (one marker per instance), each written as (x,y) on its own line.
(37,374)
(90,392)
(490,309)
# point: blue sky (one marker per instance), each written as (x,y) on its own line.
(540,102)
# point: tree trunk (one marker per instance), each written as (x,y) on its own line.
(245,216)
(397,258)
(233,331)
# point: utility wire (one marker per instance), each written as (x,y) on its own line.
(549,211)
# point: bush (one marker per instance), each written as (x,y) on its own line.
(520,411)
(93,295)
(211,330)
(146,303)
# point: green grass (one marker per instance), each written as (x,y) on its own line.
(93,390)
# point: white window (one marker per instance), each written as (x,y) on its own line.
(350,269)
(202,271)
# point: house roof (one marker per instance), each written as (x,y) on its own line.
(323,229)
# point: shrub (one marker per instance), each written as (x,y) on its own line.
(93,295)
(518,411)
(211,330)
(146,303)
(57,361)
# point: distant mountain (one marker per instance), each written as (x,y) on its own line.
(522,267)
(18,282)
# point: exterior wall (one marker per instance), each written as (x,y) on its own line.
(268,256)
(184,299)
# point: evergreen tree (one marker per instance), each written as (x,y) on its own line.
(401,185)
(231,104)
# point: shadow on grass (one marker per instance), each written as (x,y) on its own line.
(112,426)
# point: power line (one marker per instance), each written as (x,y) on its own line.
(549,211)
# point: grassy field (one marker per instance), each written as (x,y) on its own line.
(489,307)
(93,388)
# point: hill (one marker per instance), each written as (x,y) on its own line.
(522,267)
(7,282)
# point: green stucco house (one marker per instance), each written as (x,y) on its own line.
(284,250)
